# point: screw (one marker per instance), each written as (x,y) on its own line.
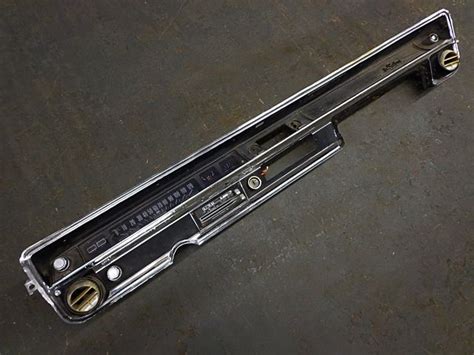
(434,38)
(61,263)
(254,182)
(57,293)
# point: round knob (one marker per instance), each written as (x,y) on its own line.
(114,273)
(254,182)
(61,263)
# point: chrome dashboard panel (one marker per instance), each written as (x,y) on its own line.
(84,267)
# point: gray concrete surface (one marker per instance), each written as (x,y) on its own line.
(98,95)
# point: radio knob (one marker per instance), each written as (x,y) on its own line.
(254,182)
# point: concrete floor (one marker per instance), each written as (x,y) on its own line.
(378,258)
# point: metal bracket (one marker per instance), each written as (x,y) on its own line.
(31,287)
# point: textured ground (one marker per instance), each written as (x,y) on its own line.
(378,258)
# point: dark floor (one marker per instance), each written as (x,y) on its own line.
(378,256)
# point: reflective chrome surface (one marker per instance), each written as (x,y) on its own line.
(76,297)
